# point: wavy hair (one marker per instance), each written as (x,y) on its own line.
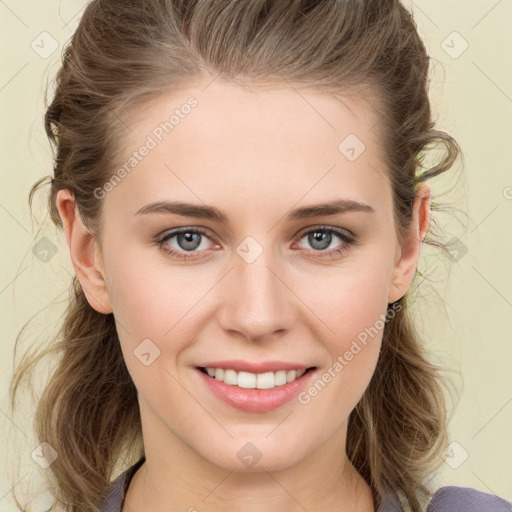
(126,52)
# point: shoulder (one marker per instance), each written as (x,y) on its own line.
(115,493)
(466,499)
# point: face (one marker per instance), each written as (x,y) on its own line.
(268,278)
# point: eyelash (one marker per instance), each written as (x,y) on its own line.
(347,241)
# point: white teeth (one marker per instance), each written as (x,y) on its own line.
(265,380)
(249,380)
(280,378)
(230,377)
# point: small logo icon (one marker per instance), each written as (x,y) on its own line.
(44,455)
(456,249)
(455,45)
(351,147)
(44,45)
(455,455)
(249,454)
(146,352)
(44,249)
(249,249)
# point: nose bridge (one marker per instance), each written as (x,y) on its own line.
(257,302)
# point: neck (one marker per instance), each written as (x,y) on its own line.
(174,477)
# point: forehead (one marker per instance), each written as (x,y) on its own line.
(205,140)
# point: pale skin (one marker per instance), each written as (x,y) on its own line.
(255,155)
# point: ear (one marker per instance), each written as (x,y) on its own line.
(407,255)
(85,253)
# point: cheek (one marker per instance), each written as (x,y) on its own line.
(352,306)
(353,349)
(349,299)
(161,304)
(152,300)
(151,316)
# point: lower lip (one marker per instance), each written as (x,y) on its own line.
(256,400)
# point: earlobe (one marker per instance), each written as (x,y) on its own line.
(406,264)
(85,254)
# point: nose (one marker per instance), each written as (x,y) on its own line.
(258,302)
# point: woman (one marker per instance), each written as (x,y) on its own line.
(239,185)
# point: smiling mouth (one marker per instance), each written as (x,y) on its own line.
(248,380)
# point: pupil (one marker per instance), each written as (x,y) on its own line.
(189,240)
(318,236)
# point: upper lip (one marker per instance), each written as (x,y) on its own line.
(255,367)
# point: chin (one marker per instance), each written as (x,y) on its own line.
(255,456)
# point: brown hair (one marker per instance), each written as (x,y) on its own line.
(124,53)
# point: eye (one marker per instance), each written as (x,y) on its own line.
(186,243)
(187,240)
(322,237)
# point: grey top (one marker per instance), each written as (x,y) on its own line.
(446,499)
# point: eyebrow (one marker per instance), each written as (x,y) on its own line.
(210,212)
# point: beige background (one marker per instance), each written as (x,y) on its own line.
(468,324)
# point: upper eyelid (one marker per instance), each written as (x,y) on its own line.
(324,227)
(171,233)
